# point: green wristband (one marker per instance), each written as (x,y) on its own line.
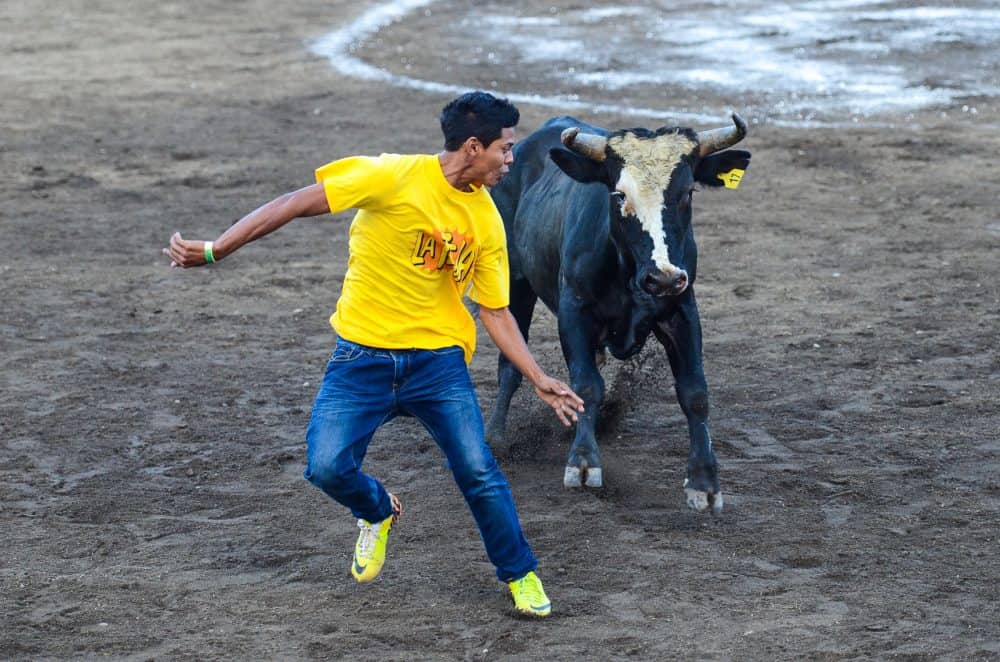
(209,256)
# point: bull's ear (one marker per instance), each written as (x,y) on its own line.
(579,167)
(722,168)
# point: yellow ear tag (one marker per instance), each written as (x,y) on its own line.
(732,178)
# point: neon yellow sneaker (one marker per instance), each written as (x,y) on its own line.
(529,596)
(369,551)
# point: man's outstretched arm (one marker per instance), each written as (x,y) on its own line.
(308,201)
(502,327)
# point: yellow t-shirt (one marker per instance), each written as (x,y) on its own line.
(417,245)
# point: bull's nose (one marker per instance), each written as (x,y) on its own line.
(680,283)
(660,284)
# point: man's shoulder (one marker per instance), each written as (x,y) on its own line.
(391,159)
(384,161)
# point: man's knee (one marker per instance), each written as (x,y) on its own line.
(476,479)
(331,473)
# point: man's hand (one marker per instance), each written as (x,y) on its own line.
(185,253)
(561,398)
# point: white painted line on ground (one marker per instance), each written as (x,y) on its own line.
(336,47)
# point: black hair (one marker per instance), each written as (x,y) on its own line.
(476,114)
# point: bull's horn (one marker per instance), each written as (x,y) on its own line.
(717,140)
(585,144)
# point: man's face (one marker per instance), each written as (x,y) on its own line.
(491,163)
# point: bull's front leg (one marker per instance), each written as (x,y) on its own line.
(577,333)
(508,379)
(681,337)
(522,306)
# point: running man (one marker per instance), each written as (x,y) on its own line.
(426,233)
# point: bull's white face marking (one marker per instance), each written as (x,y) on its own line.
(648,165)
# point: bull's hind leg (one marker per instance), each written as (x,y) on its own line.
(522,307)
(576,331)
(681,336)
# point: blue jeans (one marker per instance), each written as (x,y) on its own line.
(365,387)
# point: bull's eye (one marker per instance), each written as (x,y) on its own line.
(625,208)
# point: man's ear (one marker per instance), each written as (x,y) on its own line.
(578,167)
(722,168)
(472,145)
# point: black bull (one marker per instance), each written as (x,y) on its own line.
(599,227)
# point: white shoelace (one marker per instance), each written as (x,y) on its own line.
(369,532)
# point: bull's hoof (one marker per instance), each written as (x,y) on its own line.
(577,477)
(571,477)
(701,500)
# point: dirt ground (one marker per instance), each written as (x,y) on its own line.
(152,420)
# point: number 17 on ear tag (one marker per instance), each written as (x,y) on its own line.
(732,178)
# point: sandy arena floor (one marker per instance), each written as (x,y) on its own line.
(152,420)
